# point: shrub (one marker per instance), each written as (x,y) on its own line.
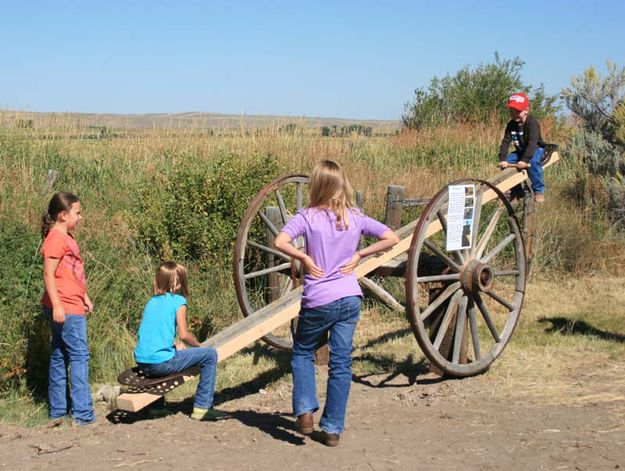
(193,211)
(595,98)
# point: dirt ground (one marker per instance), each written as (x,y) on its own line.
(394,422)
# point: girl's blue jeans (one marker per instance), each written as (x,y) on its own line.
(535,171)
(339,318)
(206,357)
(70,350)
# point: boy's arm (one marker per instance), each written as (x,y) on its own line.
(505,144)
(533,133)
(183,331)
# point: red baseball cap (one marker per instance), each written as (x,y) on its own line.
(518,101)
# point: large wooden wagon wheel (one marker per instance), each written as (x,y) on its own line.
(262,274)
(464,316)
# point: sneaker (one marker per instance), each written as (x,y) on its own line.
(304,423)
(330,439)
(208,414)
(539,197)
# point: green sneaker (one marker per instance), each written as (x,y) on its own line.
(208,414)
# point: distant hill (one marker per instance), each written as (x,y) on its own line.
(193,120)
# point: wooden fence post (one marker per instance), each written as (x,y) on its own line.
(394,206)
(50,179)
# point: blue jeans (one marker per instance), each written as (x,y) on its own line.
(339,318)
(206,357)
(70,349)
(535,171)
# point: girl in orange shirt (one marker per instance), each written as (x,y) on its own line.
(66,304)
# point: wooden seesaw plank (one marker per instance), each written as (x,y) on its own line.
(249,329)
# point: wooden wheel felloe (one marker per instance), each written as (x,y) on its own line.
(464,316)
(262,274)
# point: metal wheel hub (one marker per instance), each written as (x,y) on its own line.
(476,276)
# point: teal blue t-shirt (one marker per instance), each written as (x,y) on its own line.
(158,329)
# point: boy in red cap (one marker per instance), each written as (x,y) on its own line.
(523,131)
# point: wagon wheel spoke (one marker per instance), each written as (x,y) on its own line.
(474,333)
(461,321)
(477,212)
(440,254)
(500,300)
(488,232)
(282,207)
(264,248)
(438,278)
(497,250)
(498,273)
(442,329)
(487,318)
(299,196)
(456,254)
(288,286)
(266,271)
(268,223)
(451,289)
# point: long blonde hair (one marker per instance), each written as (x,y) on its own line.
(171,277)
(329,186)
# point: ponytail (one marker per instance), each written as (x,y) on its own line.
(61,201)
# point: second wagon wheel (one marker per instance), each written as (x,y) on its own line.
(464,316)
(262,274)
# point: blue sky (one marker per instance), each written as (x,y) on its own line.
(324,58)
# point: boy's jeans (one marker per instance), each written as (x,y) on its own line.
(70,349)
(339,318)
(206,357)
(535,171)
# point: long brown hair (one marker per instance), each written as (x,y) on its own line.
(330,186)
(61,201)
(171,277)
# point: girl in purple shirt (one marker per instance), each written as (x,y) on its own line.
(331,226)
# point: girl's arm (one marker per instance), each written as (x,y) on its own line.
(385,242)
(283,244)
(183,331)
(88,303)
(49,282)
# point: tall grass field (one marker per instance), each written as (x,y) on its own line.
(154,194)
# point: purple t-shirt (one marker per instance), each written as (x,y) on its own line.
(331,249)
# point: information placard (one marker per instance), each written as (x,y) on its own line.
(460,213)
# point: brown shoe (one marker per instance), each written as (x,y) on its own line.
(539,197)
(330,439)
(304,423)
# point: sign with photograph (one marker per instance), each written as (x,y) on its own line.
(460,213)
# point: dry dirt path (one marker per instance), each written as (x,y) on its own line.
(427,425)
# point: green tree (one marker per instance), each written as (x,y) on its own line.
(474,96)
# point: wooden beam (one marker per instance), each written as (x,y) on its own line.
(236,337)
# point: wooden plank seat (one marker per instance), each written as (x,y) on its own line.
(138,382)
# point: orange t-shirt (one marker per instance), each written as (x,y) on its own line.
(70,273)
